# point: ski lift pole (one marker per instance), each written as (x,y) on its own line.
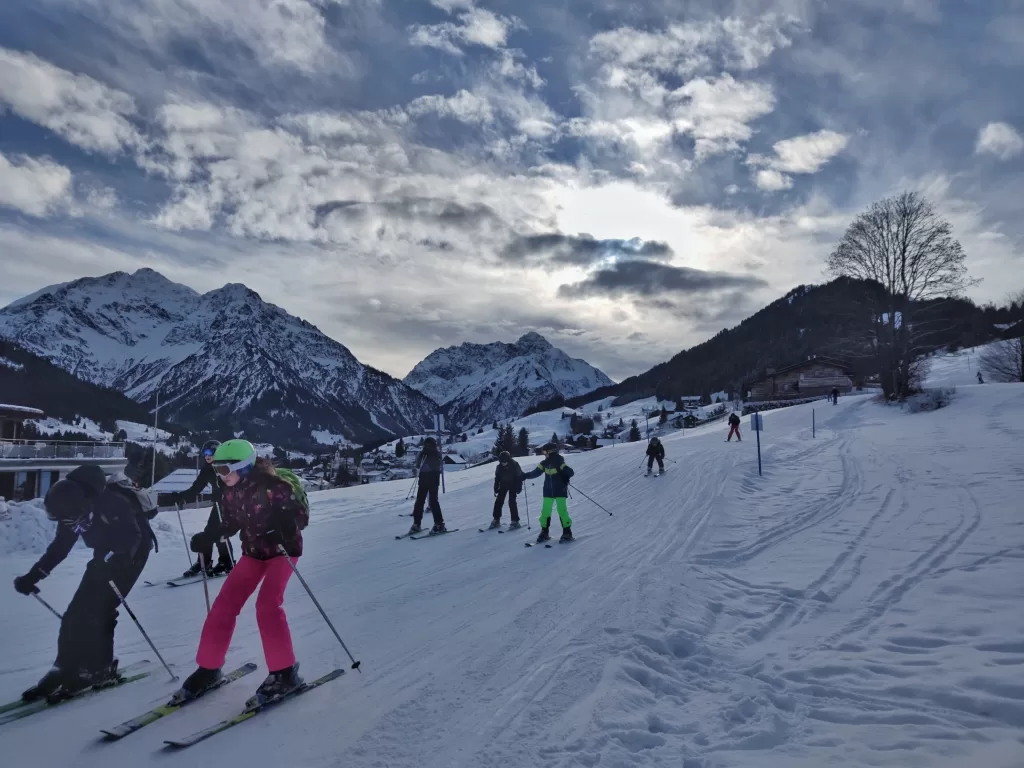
(184,538)
(592,501)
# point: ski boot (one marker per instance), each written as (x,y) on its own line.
(416,528)
(439,528)
(196,684)
(76,681)
(277,684)
(495,523)
(566,535)
(514,525)
(543,535)
(221,567)
(47,684)
(193,571)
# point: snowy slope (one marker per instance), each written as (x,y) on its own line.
(481,383)
(224,358)
(954,369)
(858,605)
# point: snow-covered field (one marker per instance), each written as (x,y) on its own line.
(859,605)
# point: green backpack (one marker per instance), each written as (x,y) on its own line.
(293,480)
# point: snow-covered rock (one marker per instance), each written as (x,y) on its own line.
(481,383)
(223,359)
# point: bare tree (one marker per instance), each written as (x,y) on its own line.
(1003,361)
(904,246)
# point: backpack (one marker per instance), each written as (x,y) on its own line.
(293,480)
(120,482)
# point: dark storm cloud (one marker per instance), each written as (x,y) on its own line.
(444,212)
(581,250)
(647,279)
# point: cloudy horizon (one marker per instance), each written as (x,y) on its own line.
(625,181)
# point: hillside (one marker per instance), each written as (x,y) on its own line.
(482,383)
(222,361)
(857,605)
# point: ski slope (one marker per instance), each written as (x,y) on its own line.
(859,604)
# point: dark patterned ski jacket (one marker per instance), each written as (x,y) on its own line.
(255,509)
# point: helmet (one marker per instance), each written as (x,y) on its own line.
(655,440)
(504,456)
(210,447)
(548,448)
(66,500)
(234,456)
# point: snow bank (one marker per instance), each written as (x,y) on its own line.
(24,527)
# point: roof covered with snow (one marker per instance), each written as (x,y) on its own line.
(18,411)
(178,480)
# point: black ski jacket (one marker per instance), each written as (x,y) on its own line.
(430,462)
(657,450)
(207,477)
(734,420)
(508,477)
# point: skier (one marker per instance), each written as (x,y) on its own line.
(835,395)
(508,481)
(734,428)
(981,379)
(208,477)
(267,512)
(556,486)
(429,484)
(655,450)
(112,521)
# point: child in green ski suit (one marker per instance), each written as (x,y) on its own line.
(556,487)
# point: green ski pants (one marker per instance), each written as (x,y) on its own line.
(563,512)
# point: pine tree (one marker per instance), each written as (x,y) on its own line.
(664,416)
(554,438)
(634,432)
(399,449)
(523,442)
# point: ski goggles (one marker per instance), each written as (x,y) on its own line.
(209,452)
(225,468)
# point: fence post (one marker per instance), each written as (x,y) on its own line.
(813,426)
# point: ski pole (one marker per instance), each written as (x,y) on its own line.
(281,549)
(526,495)
(592,501)
(206,589)
(46,605)
(183,538)
(120,597)
(415,482)
(227,542)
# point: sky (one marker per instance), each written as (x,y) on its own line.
(625,178)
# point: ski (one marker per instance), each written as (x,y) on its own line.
(499,529)
(560,541)
(407,535)
(131,726)
(193,580)
(428,535)
(250,712)
(535,543)
(16,710)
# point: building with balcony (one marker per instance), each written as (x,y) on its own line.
(29,467)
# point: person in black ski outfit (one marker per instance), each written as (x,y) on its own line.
(655,451)
(112,523)
(428,486)
(508,481)
(208,477)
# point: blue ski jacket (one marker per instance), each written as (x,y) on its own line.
(556,476)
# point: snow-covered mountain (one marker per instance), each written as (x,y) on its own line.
(221,360)
(481,383)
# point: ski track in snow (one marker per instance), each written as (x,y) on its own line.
(857,605)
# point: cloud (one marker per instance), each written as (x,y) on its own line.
(35,187)
(717,112)
(808,153)
(1001,140)
(83,111)
(771,180)
(476,26)
(646,278)
(560,250)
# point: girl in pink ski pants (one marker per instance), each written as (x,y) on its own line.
(239,585)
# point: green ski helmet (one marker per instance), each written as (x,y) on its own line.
(234,456)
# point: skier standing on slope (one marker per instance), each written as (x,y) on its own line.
(556,487)
(112,521)
(208,477)
(508,481)
(429,485)
(734,428)
(835,395)
(268,513)
(655,450)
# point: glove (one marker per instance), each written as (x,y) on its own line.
(284,523)
(26,585)
(201,542)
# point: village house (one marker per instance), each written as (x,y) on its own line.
(814,377)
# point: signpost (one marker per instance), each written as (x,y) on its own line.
(757,424)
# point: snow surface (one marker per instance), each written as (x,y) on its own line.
(954,369)
(857,605)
